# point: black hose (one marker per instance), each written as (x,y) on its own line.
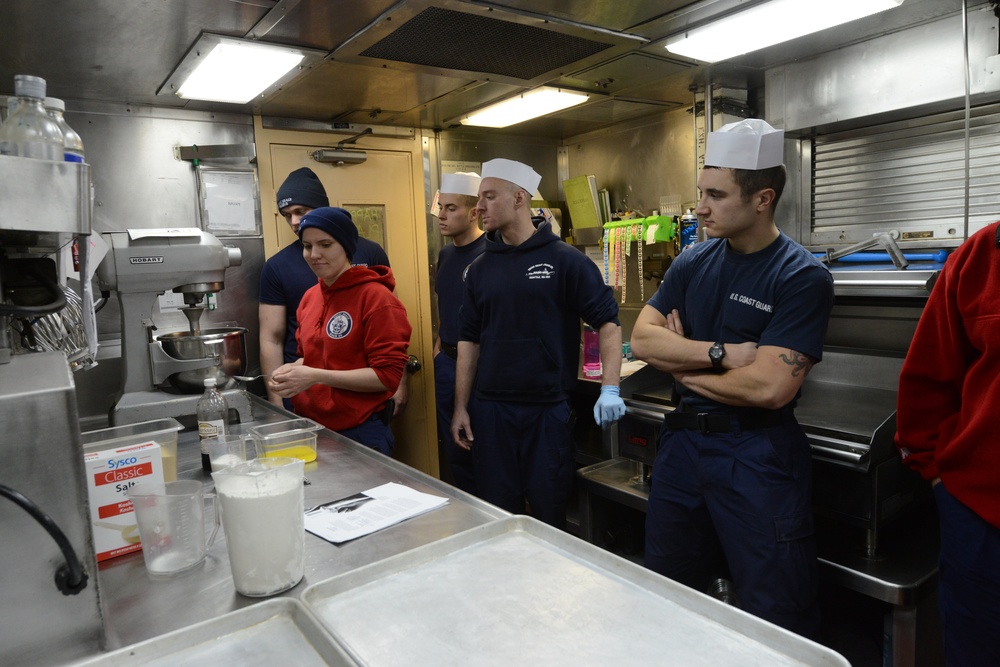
(71,577)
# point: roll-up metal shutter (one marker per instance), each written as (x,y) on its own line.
(908,177)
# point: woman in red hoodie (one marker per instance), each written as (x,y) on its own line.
(353,335)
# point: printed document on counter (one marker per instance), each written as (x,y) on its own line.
(369,511)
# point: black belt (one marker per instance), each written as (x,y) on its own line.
(450,350)
(710,422)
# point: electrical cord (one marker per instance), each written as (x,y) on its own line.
(70,577)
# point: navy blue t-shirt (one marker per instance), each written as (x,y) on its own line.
(780,296)
(523,305)
(453,261)
(287,276)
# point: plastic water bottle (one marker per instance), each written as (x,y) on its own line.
(29,131)
(72,143)
(213,411)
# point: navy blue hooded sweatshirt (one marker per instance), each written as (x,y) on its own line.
(523,305)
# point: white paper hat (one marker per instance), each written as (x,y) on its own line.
(746,144)
(519,174)
(460,183)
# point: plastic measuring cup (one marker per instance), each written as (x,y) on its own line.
(263,518)
(226,450)
(171,520)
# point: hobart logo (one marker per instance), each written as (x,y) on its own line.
(540,272)
(145,260)
(339,325)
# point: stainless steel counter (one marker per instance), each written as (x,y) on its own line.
(904,575)
(136,606)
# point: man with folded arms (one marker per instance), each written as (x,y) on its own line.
(738,321)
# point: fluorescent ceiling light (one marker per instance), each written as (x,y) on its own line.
(226,69)
(770,23)
(532,104)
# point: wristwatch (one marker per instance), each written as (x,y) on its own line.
(717,353)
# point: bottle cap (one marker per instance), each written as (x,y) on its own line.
(55,103)
(26,85)
(209,382)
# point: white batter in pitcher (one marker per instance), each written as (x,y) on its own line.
(263,520)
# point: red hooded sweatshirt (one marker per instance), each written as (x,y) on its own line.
(949,388)
(357,322)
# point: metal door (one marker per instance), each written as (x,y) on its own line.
(379,192)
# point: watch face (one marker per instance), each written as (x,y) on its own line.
(716,353)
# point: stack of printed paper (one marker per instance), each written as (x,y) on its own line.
(363,513)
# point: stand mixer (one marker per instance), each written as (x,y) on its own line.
(141,265)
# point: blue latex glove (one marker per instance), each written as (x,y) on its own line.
(609,408)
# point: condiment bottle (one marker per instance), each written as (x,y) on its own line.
(213,411)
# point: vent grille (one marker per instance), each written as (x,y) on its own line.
(908,175)
(481,44)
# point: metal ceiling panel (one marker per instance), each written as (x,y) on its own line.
(323,24)
(336,89)
(111,50)
(627,73)
(611,14)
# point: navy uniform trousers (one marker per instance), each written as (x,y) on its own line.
(459,460)
(748,494)
(373,433)
(524,451)
(970,584)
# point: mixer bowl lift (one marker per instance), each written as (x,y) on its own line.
(141,265)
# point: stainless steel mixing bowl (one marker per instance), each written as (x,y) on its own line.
(229,343)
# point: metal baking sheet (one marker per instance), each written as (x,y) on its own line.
(276,632)
(517,591)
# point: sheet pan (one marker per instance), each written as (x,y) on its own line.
(516,591)
(275,632)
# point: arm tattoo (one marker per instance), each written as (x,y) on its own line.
(799,362)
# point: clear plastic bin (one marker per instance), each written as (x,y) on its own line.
(161,431)
(295,438)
